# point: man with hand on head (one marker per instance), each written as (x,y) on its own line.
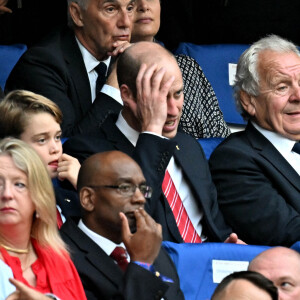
(173,163)
(112,195)
(71,65)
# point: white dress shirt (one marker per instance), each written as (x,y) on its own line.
(112,92)
(194,212)
(90,63)
(105,244)
(283,145)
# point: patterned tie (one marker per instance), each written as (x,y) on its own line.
(58,219)
(183,221)
(101,71)
(296,148)
(120,256)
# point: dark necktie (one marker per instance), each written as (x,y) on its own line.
(120,256)
(101,71)
(296,148)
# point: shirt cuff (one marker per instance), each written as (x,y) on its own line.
(151,269)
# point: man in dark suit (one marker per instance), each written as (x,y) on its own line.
(64,66)
(256,171)
(112,195)
(147,131)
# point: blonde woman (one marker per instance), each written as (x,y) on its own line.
(29,240)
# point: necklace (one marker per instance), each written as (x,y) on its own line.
(15,250)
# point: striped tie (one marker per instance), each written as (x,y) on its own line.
(183,221)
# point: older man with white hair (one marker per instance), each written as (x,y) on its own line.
(256,171)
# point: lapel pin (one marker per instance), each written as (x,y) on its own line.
(68,200)
(177,147)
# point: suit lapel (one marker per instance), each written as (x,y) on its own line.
(77,70)
(191,168)
(270,153)
(94,254)
(115,136)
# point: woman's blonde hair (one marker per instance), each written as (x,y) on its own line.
(44,227)
(17,107)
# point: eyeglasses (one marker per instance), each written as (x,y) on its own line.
(127,189)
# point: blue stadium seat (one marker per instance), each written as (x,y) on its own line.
(201,266)
(9,55)
(209,144)
(214,61)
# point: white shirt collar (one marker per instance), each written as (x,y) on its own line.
(105,244)
(90,61)
(131,134)
(112,92)
(281,143)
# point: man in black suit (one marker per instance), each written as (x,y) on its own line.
(64,66)
(151,87)
(256,171)
(112,195)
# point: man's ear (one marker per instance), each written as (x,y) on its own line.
(248,103)
(127,97)
(76,14)
(87,198)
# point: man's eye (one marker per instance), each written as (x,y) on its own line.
(130,8)
(110,9)
(282,88)
(286,285)
(125,187)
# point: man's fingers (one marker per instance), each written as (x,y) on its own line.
(146,82)
(4,9)
(167,85)
(157,79)
(148,220)
(232,239)
(140,219)
(126,233)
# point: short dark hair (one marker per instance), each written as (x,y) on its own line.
(255,278)
(127,70)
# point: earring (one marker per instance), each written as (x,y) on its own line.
(37,215)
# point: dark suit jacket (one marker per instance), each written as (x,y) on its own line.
(68,201)
(258,190)
(103,279)
(153,154)
(54,68)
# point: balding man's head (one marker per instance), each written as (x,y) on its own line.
(150,80)
(110,183)
(131,60)
(282,266)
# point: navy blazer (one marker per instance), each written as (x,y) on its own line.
(153,154)
(68,201)
(258,190)
(55,69)
(103,279)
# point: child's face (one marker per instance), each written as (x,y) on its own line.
(43,133)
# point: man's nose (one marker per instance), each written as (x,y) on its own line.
(138,196)
(125,21)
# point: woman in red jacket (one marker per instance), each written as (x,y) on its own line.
(29,241)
